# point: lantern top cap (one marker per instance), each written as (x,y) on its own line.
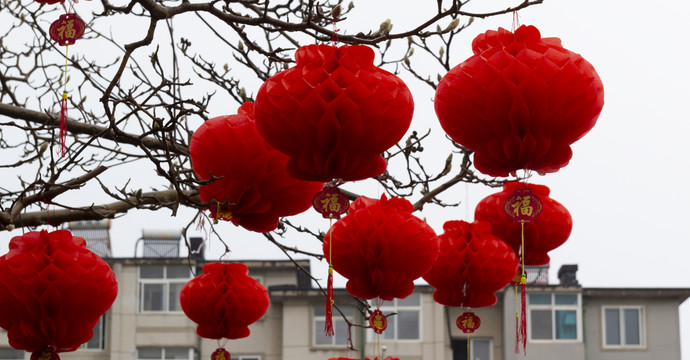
(525,34)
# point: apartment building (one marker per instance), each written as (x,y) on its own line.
(565,320)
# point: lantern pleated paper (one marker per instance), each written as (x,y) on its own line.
(334,113)
(472,265)
(381,248)
(53,291)
(255,189)
(224,301)
(519,102)
(544,233)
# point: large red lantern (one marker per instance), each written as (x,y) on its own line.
(519,102)
(255,190)
(472,265)
(334,113)
(542,234)
(224,301)
(381,248)
(53,291)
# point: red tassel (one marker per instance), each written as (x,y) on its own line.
(329,303)
(63,123)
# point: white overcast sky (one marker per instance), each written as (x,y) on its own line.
(626,183)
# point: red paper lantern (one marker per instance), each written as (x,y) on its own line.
(224,301)
(381,248)
(255,190)
(334,113)
(53,291)
(544,233)
(50,2)
(519,102)
(472,265)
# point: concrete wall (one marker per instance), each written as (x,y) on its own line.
(561,350)
(661,336)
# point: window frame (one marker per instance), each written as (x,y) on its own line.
(336,318)
(245,357)
(191,352)
(491,346)
(101,323)
(553,307)
(166,282)
(641,316)
(389,307)
(7,347)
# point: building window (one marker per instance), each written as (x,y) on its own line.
(339,326)
(165,353)
(480,349)
(623,326)
(7,353)
(406,324)
(554,317)
(97,341)
(160,286)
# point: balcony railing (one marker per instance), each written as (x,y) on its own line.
(537,275)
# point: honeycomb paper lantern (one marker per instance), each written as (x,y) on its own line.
(381,248)
(53,291)
(255,189)
(334,113)
(519,102)
(472,265)
(546,232)
(224,301)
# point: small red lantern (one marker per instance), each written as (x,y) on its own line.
(519,102)
(472,265)
(255,190)
(53,291)
(542,234)
(224,301)
(381,248)
(67,29)
(49,2)
(334,113)
(468,322)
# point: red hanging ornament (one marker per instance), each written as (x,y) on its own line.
(224,301)
(334,113)
(330,202)
(53,291)
(381,248)
(519,102)
(378,321)
(468,322)
(544,233)
(255,190)
(221,354)
(472,265)
(67,29)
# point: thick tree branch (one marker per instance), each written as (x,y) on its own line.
(77,127)
(93,212)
